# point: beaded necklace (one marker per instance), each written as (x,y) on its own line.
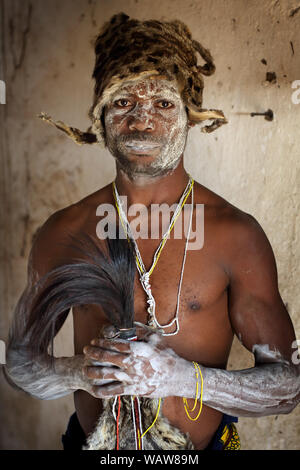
(145,275)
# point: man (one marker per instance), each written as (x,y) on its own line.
(148,93)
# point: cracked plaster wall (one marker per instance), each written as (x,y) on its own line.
(46,61)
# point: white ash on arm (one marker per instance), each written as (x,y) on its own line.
(154,371)
(43,380)
(266,389)
(29,366)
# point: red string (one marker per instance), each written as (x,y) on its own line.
(118,417)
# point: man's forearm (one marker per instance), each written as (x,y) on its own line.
(41,380)
(142,368)
(260,391)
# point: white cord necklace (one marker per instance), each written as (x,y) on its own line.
(145,275)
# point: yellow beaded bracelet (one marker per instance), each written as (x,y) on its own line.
(197,368)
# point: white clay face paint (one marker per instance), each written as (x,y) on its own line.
(146,125)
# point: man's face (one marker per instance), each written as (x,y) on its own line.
(146,126)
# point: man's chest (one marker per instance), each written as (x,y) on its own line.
(190,294)
(191,289)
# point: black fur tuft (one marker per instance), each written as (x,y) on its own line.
(102,277)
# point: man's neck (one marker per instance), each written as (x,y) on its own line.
(148,190)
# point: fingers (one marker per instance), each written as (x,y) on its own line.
(103,356)
(109,331)
(116,345)
(144,331)
(106,374)
(115,389)
(124,354)
(150,335)
(157,340)
(108,391)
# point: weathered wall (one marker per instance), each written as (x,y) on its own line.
(46,60)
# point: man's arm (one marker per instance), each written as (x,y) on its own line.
(43,380)
(261,322)
(42,376)
(258,317)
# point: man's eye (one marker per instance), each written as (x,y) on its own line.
(122,103)
(164,104)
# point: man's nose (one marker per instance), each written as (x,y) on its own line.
(140,122)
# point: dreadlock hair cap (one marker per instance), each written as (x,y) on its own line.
(128,50)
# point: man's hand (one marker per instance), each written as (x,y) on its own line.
(145,368)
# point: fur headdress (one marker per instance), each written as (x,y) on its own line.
(129,49)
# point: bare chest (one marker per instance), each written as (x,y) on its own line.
(199,303)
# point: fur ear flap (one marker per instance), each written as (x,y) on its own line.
(216,115)
(78,136)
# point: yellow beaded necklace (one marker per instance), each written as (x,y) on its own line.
(144,275)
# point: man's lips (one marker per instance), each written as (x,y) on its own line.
(141,147)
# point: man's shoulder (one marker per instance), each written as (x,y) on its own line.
(51,241)
(231,222)
(70,218)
